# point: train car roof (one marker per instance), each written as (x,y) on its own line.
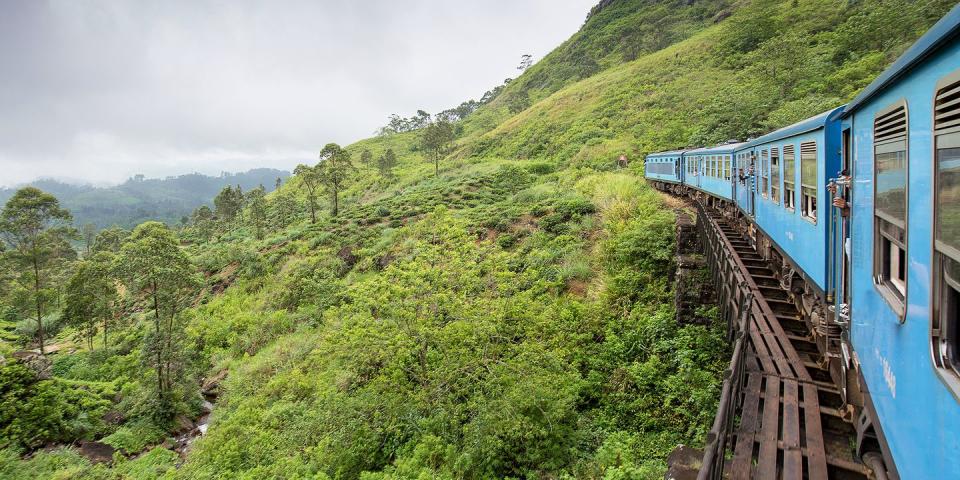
(803,126)
(942,32)
(725,148)
(666,154)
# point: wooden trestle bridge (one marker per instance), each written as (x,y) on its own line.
(779,414)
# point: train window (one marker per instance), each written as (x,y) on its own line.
(890,202)
(808,180)
(744,166)
(775,175)
(945,327)
(728,166)
(764,172)
(789,177)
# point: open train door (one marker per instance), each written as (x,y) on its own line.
(742,183)
(752,183)
(839,253)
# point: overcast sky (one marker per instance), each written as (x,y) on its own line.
(98,91)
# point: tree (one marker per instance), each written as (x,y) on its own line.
(276,186)
(525,61)
(420,120)
(89,235)
(228,202)
(334,172)
(37,231)
(283,210)
(203,220)
(258,210)
(152,263)
(437,140)
(386,162)
(311,183)
(518,101)
(92,296)
(366,157)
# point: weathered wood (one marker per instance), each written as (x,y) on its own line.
(749,426)
(769,429)
(792,458)
(813,434)
(780,421)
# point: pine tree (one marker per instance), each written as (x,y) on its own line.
(91,296)
(366,157)
(258,210)
(437,140)
(334,172)
(152,262)
(37,232)
(311,184)
(386,162)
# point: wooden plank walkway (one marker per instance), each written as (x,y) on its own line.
(775,425)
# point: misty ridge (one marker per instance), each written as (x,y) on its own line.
(138,199)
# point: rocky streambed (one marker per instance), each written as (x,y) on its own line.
(191,430)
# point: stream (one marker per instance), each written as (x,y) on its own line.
(185,440)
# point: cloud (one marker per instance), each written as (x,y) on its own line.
(99,91)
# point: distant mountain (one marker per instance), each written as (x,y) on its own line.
(140,199)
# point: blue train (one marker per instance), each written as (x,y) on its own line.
(859,207)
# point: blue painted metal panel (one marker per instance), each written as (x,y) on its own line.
(711,172)
(917,411)
(803,126)
(801,238)
(657,166)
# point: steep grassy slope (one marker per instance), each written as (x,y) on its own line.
(512,316)
(769,64)
(615,32)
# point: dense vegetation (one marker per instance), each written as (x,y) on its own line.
(482,296)
(140,199)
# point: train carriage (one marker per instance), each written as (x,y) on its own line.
(664,166)
(900,279)
(710,169)
(781,181)
(863,203)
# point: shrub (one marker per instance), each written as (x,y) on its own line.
(134,437)
(36,412)
(540,168)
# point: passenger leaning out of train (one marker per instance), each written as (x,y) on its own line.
(749,174)
(838,200)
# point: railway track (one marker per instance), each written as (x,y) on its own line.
(780,414)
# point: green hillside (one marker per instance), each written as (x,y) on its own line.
(510,317)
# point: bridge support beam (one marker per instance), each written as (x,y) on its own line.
(693,286)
